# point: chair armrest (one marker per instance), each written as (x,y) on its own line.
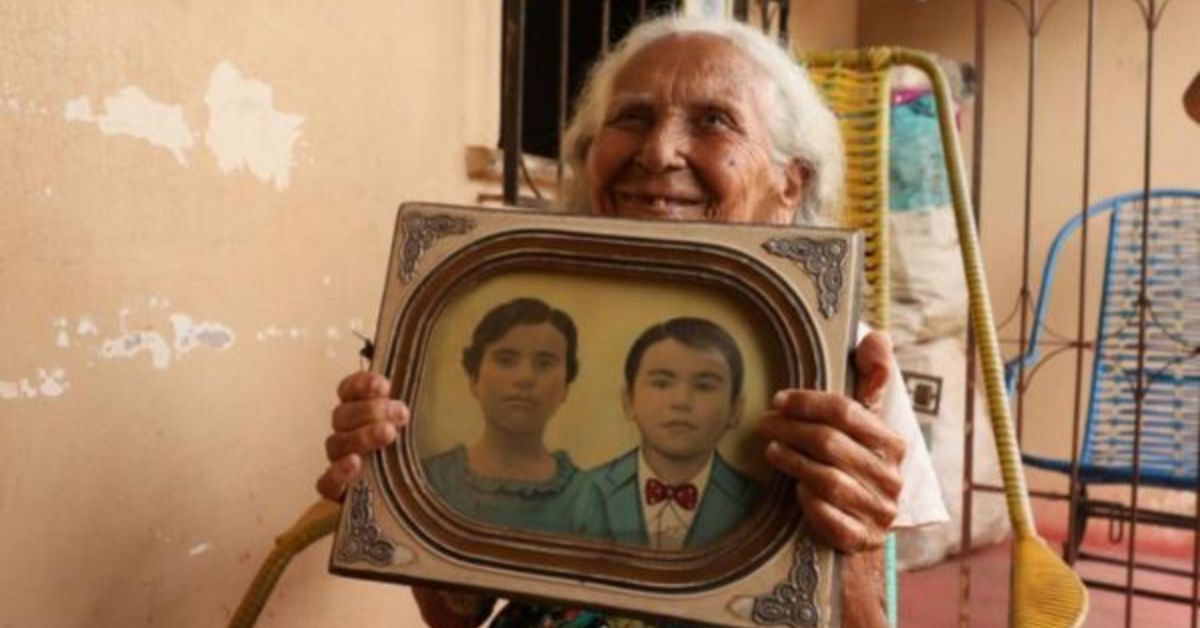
(1031,353)
(318,521)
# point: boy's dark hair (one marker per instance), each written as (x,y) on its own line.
(521,311)
(696,333)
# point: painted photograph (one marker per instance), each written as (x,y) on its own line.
(603,408)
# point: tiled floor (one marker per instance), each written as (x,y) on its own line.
(929,598)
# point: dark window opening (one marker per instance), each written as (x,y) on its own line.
(543,47)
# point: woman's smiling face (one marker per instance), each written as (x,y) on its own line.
(685,137)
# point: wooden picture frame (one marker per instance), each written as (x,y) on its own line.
(787,296)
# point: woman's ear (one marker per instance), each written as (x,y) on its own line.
(795,182)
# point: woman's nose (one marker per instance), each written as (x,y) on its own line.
(662,147)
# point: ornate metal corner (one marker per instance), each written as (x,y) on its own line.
(420,232)
(364,540)
(823,260)
(794,602)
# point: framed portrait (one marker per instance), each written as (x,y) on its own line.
(584,395)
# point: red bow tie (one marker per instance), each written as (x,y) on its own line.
(683,494)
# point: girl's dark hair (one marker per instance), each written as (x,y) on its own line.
(520,311)
(697,333)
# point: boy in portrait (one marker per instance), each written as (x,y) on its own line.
(683,390)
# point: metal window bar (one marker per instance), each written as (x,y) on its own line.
(968,473)
(514,68)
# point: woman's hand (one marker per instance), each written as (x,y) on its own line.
(846,462)
(365,420)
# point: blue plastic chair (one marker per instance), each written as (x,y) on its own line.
(1170,380)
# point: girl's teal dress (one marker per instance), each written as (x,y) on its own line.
(535,506)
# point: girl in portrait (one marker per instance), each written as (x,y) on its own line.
(520,364)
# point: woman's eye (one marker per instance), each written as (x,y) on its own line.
(631,118)
(712,119)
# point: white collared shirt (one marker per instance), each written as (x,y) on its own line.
(667,523)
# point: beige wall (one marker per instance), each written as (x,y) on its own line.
(823,24)
(947,27)
(142,482)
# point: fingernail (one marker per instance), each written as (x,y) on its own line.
(348,464)
(384,432)
(774,448)
(779,399)
(398,413)
(379,386)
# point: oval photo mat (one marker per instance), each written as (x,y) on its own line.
(609,314)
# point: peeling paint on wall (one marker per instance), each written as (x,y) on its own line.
(86,326)
(53,382)
(245,131)
(73,334)
(189,335)
(130,343)
(131,112)
(50,382)
(14,104)
(270,331)
(62,339)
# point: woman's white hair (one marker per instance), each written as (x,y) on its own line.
(800,126)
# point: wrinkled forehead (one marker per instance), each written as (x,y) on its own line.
(689,66)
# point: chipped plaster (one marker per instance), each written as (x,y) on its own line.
(189,335)
(74,333)
(50,382)
(130,111)
(245,131)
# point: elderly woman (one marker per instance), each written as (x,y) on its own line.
(691,119)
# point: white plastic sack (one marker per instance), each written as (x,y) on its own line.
(929,289)
(919,547)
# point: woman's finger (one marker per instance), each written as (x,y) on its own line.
(353,415)
(361,441)
(834,527)
(872,359)
(843,414)
(829,446)
(835,487)
(337,477)
(363,385)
